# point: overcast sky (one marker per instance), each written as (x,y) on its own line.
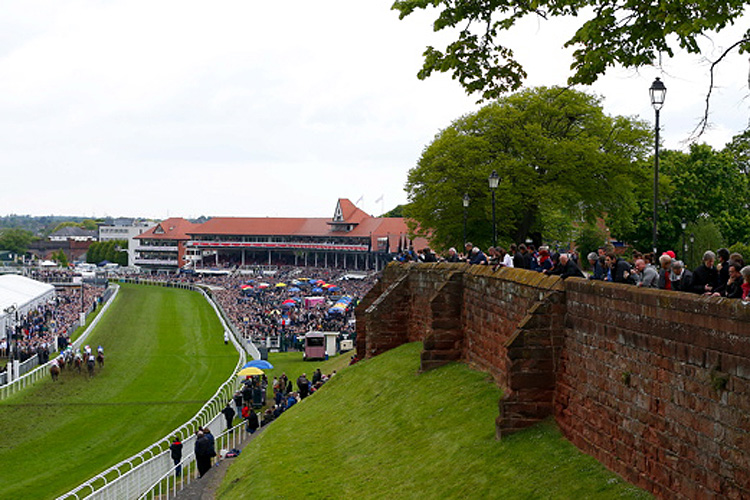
(242,108)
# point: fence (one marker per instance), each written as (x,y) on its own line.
(136,474)
(169,484)
(36,373)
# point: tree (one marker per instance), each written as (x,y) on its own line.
(589,239)
(557,154)
(397,211)
(60,258)
(15,240)
(700,184)
(624,32)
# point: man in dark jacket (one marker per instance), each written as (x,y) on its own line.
(567,268)
(303,385)
(619,270)
(681,278)
(518,256)
(229,414)
(705,276)
(175,451)
(204,452)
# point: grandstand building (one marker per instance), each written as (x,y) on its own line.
(351,239)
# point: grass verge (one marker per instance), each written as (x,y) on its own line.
(381,430)
(165,358)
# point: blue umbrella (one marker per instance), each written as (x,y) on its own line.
(293,289)
(259,363)
(317,290)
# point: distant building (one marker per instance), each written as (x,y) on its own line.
(124,229)
(73,233)
(351,239)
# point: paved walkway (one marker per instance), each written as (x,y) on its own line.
(205,487)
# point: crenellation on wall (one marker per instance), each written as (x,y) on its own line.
(653,384)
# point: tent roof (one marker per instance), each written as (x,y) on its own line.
(20,291)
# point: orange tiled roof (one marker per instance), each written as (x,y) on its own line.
(175,228)
(364,224)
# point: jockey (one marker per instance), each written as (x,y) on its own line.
(100,350)
(87,349)
(92,360)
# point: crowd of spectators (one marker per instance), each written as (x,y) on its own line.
(37,330)
(255,304)
(729,277)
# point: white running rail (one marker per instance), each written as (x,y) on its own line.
(131,477)
(41,372)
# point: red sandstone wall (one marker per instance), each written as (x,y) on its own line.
(494,306)
(656,386)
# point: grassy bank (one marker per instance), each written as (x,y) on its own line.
(165,358)
(381,430)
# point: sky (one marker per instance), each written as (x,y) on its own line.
(243,108)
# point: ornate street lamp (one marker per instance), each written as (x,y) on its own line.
(658,93)
(465,202)
(683,225)
(692,246)
(494,180)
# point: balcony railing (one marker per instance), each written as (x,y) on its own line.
(156,262)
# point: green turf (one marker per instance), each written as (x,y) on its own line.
(381,430)
(165,358)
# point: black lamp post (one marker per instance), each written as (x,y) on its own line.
(494,180)
(658,92)
(683,225)
(465,202)
(692,246)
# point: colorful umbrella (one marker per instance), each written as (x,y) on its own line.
(260,363)
(250,370)
(279,285)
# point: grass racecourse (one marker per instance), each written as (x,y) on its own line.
(165,357)
(380,429)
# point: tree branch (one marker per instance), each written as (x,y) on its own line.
(700,128)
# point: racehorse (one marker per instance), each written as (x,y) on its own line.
(90,366)
(54,371)
(100,360)
(78,363)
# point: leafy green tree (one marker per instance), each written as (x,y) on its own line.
(698,184)
(589,239)
(742,249)
(621,32)
(558,155)
(707,237)
(60,258)
(398,211)
(16,240)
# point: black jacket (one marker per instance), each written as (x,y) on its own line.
(570,269)
(684,284)
(703,276)
(619,269)
(175,450)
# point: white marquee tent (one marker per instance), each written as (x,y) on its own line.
(23,293)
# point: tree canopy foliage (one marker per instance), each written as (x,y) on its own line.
(15,240)
(559,157)
(112,250)
(630,33)
(699,186)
